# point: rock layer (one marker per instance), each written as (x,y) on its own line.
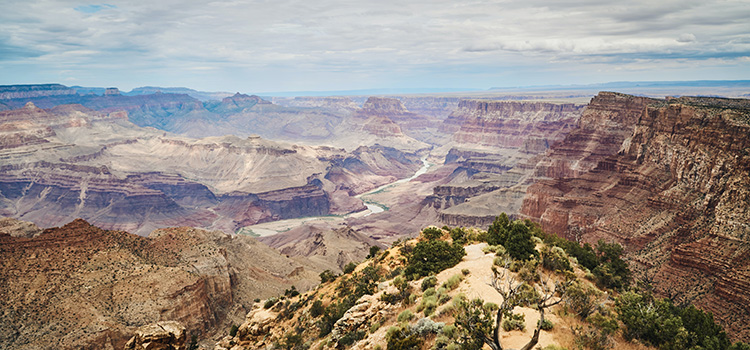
(678,189)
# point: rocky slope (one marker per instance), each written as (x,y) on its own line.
(78,286)
(676,195)
(69,162)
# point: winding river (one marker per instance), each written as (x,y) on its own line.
(373,207)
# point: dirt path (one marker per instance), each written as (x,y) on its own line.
(477,285)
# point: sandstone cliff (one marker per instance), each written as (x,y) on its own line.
(676,195)
(82,287)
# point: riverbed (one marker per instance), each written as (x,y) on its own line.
(373,207)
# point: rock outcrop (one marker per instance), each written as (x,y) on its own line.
(82,287)
(166,335)
(678,188)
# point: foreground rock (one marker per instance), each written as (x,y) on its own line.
(166,335)
(79,286)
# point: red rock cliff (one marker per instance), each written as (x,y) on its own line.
(677,196)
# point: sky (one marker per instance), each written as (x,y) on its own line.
(319,45)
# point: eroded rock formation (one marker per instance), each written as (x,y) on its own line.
(676,195)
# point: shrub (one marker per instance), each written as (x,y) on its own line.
(429,292)
(327,276)
(233,330)
(270,303)
(432,233)
(449,331)
(428,305)
(458,235)
(431,257)
(405,315)
(374,327)
(427,326)
(316,309)
(612,271)
(350,267)
(592,338)
(291,292)
(400,338)
(429,282)
(497,233)
(373,251)
(351,338)
(581,299)
(453,282)
(514,322)
(519,244)
(555,259)
(465,272)
(546,325)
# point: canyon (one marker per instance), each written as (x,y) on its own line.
(665,177)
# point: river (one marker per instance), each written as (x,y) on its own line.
(373,207)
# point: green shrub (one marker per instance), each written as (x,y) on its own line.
(555,259)
(270,303)
(233,330)
(351,338)
(581,299)
(497,233)
(400,338)
(429,282)
(453,282)
(317,308)
(374,327)
(373,251)
(432,233)
(430,257)
(547,325)
(458,235)
(350,267)
(327,276)
(449,331)
(405,315)
(429,292)
(514,322)
(428,305)
(465,272)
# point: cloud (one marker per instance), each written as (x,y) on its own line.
(686,38)
(94,8)
(280,44)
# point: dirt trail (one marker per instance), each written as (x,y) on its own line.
(477,285)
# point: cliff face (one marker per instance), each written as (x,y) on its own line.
(605,123)
(82,287)
(496,145)
(512,124)
(677,196)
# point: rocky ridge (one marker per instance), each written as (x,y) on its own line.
(78,286)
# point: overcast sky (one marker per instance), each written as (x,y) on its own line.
(287,45)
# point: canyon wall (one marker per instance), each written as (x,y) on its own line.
(676,195)
(496,145)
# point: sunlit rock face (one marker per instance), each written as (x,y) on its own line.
(676,194)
